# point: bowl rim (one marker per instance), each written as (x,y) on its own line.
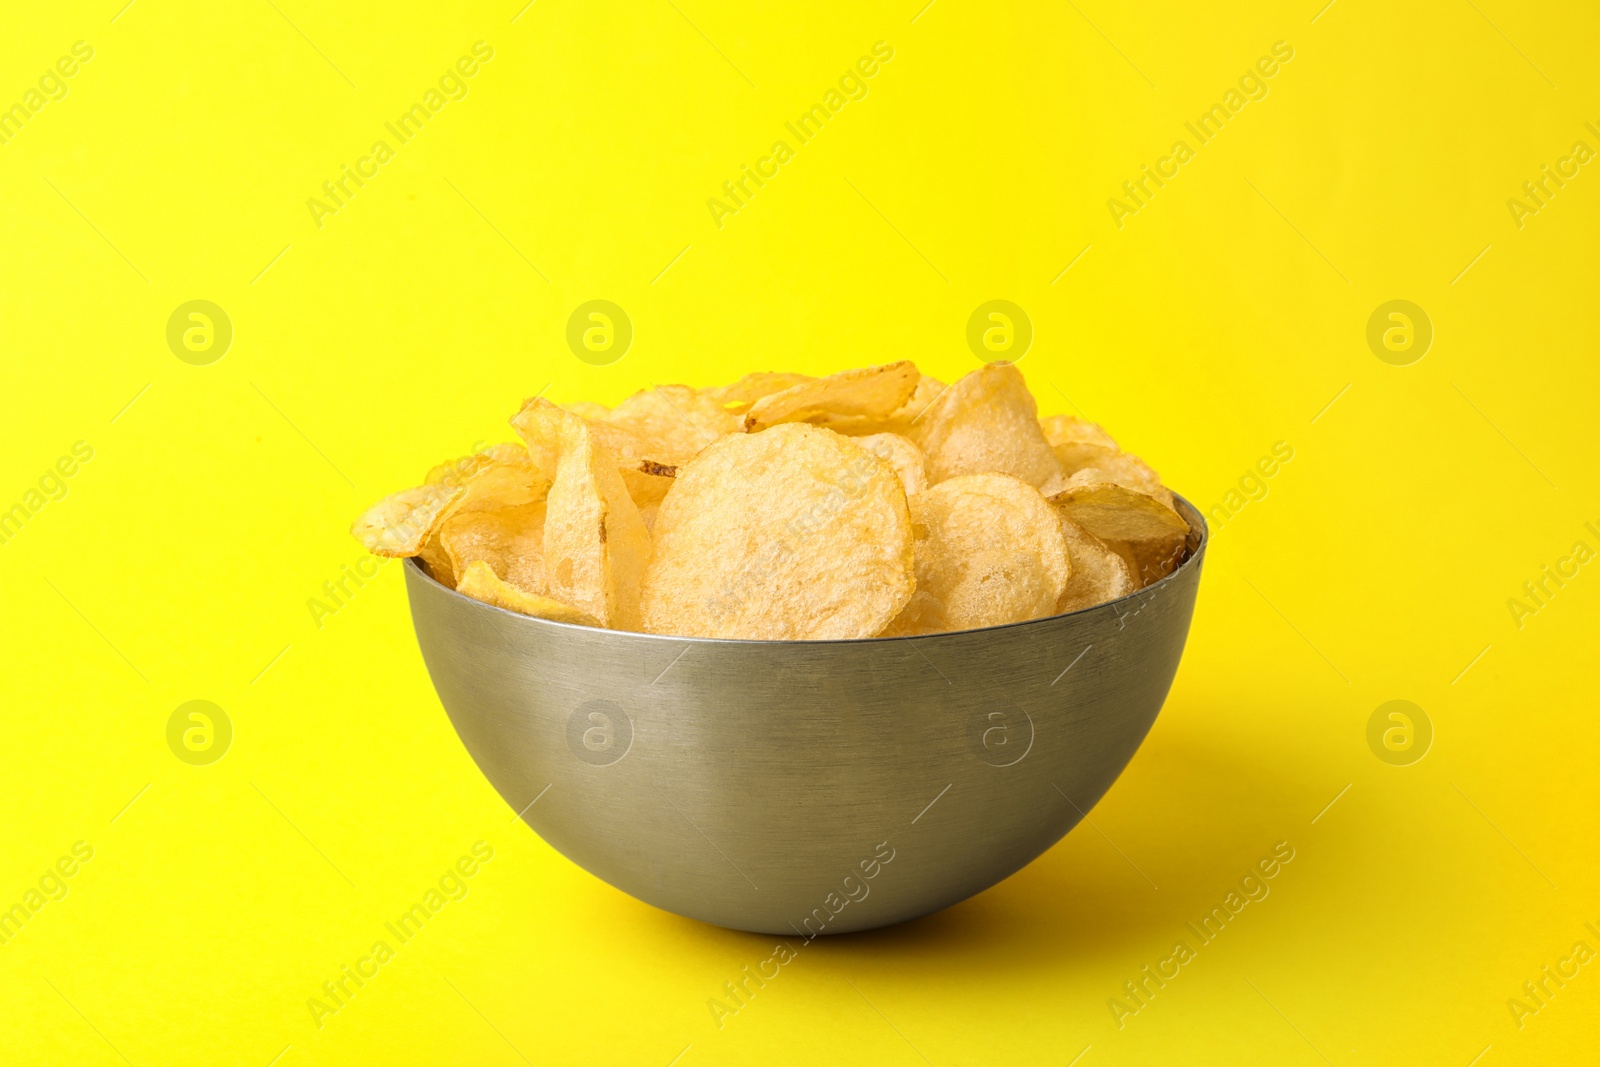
(1197,524)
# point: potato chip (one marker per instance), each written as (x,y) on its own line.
(502,475)
(461,471)
(754,386)
(927,391)
(510,540)
(595,544)
(986,423)
(647,481)
(794,533)
(457,471)
(1146,533)
(902,455)
(1071,430)
(656,430)
(1098,573)
(785,507)
(860,401)
(585,409)
(481,583)
(401,523)
(437,561)
(989,550)
(1086,464)
(673,422)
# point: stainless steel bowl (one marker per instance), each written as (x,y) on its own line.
(808,787)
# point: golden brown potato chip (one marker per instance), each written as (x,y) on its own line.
(646,480)
(1074,456)
(595,544)
(502,475)
(673,422)
(781,506)
(1098,573)
(902,455)
(927,391)
(861,401)
(437,560)
(1071,430)
(586,409)
(1146,533)
(457,471)
(400,524)
(794,533)
(510,540)
(989,550)
(481,583)
(1087,464)
(754,386)
(986,423)
(656,430)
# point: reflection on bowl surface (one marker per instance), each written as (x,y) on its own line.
(805,787)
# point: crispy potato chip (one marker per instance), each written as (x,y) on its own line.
(437,561)
(656,430)
(400,524)
(902,455)
(794,533)
(1087,464)
(754,386)
(647,481)
(586,409)
(481,583)
(1146,533)
(595,544)
(673,422)
(861,401)
(927,391)
(1071,430)
(986,423)
(540,432)
(502,475)
(989,550)
(781,506)
(460,471)
(457,471)
(510,540)
(1098,573)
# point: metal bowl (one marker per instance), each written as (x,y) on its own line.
(807,787)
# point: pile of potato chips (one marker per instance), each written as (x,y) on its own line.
(870,503)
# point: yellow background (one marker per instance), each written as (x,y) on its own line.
(1228,314)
